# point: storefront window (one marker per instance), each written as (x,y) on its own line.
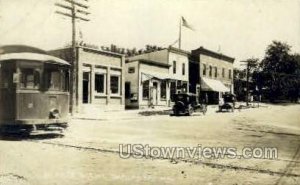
(114,84)
(99,83)
(145,89)
(30,78)
(163,91)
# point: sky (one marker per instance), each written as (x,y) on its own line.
(238,28)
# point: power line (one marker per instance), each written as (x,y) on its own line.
(75,10)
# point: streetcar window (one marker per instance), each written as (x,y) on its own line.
(53,80)
(56,79)
(65,80)
(30,78)
(4,79)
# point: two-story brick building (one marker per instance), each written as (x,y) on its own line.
(152,78)
(211,73)
(101,79)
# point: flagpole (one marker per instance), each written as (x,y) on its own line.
(179,40)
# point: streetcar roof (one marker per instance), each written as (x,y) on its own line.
(33,56)
(23,52)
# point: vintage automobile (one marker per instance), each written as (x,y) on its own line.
(187,104)
(228,103)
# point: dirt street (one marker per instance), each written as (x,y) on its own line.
(88,153)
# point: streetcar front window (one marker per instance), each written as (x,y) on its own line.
(56,79)
(30,78)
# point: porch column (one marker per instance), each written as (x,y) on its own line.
(92,86)
(108,85)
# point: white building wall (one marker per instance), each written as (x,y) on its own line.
(93,62)
(220,64)
(180,59)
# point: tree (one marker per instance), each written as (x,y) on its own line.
(278,71)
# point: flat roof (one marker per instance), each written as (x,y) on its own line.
(150,62)
(202,50)
(180,51)
(100,51)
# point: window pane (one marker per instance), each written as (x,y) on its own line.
(114,84)
(223,72)
(174,67)
(53,78)
(99,83)
(204,69)
(30,78)
(183,69)
(216,72)
(65,80)
(146,89)
(131,70)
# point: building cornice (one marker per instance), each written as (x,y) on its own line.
(204,51)
(150,62)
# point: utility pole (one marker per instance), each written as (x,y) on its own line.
(249,63)
(247,84)
(179,39)
(75,10)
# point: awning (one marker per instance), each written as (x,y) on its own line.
(159,76)
(33,56)
(213,85)
(148,76)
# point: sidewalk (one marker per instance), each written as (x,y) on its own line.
(107,115)
(132,114)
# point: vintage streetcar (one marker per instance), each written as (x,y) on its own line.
(34,90)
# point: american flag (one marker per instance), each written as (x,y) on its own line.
(186,24)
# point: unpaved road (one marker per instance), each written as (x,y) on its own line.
(88,153)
